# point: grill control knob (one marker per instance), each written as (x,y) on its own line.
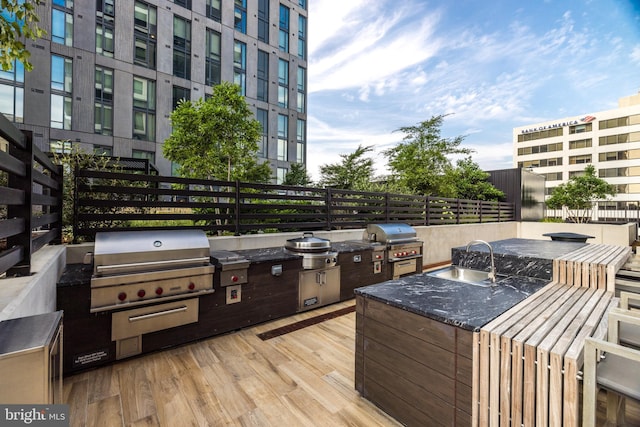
(122,296)
(234,278)
(141,293)
(159,291)
(192,286)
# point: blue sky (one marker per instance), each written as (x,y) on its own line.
(378,65)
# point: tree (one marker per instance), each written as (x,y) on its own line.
(419,163)
(355,172)
(18,20)
(576,197)
(297,175)
(217,138)
(471,182)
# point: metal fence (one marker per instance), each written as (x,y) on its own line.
(125,201)
(30,200)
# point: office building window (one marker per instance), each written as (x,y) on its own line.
(179,94)
(240,16)
(213,10)
(531,136)
(283,83)
(142,154)
(263,117)
(105,24)
(144,109)
(302,4)
(300,140)
(283,134)
(12,93)
(580,128)
(61,92)
(613,123)
(302,37)
(540,163)
(60,146)
(302,90)
(145,33)
(263,20)
(553,176)
(540,149)
(62,22)
(580,143)
(103,106)
(281,175)
(263,76)
(616,172)
(181,48)
(240,66)
(614,139)
(184,3)
(283,35)
(212,62)
(576,160)
(102,150)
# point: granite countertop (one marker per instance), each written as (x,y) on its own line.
(456,303)
(280,254)
(526,262)
(528,248)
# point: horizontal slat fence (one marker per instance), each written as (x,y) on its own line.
(132,201)
(30,200)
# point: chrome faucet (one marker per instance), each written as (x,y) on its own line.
(492,272)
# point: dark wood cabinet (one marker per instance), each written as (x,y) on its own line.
(416,369)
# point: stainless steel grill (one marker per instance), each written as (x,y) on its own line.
(402,247)
(133,268)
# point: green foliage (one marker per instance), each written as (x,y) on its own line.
(297,175)
(576,197)
(18,19)
(355,172)
(79,159)
(217,138)
(419,163)
(471,182)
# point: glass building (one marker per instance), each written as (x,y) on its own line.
(109,72)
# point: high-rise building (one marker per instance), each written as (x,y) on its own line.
(562,148)
(108,73)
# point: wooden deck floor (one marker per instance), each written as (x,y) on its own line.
(301,378)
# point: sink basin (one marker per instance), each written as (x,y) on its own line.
(466,275)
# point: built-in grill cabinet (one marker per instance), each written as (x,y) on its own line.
(403,250)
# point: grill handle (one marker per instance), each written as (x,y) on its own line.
(157,314)
(138,266)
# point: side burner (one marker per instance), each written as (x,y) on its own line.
(232,267)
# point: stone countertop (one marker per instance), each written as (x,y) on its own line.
(456,303)
(527,248)
(280,254)
(527,263)
(75,275)
(518,257)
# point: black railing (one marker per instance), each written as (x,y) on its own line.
(30,200)
(124,201)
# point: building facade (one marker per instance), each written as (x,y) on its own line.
(609,140)
(109,73)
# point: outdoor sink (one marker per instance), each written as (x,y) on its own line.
(466,275)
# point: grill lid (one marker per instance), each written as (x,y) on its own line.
(391,233)
(118,252)
(308,243)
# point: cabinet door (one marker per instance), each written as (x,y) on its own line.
(318,287)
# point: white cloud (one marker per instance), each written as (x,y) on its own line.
(635,54)
(370,53)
